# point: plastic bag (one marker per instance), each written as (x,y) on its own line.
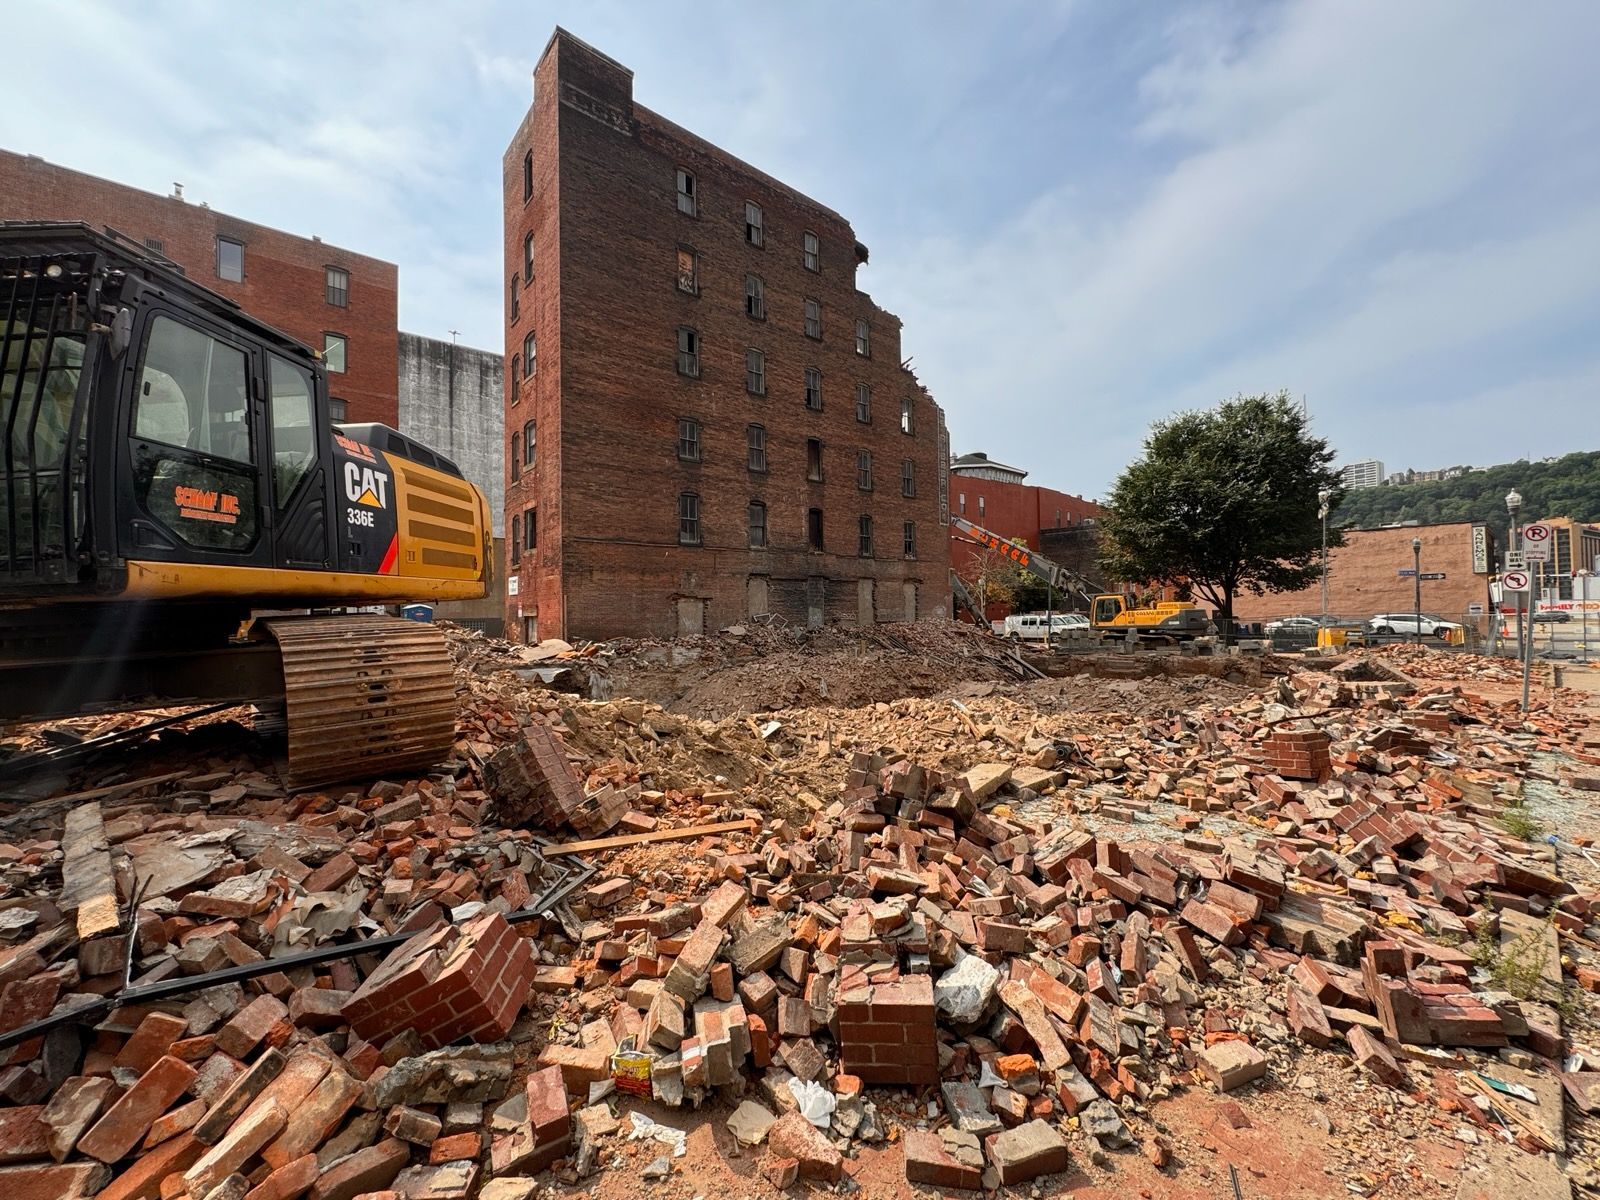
(816,1102)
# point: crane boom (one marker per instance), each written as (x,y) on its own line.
(1035,564)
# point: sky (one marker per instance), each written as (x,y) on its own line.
(1088,214)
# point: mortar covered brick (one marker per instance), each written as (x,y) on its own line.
(888,1032)
(466,981)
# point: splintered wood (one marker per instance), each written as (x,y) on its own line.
(87,887)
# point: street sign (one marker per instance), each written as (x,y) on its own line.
(1514,581)
(1536,543)
(1480,550)
(1407,572)
(1515,561)
(1427,575)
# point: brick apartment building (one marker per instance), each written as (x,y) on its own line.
(705,419)
(342,303)
(1056,524)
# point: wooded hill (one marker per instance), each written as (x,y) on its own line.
(1566,487)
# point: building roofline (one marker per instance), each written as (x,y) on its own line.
(560,32)
(458,345)
(777,185)
(199,208)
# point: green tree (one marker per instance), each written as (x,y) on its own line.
(1224,501)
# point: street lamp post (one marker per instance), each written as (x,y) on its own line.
(1323,496)
(1524,626)
(1581,578)
(1416,578)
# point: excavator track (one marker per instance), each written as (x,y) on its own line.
(364,695)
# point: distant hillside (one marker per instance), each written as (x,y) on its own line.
(1566,487)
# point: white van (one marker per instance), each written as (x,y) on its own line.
(1030,627)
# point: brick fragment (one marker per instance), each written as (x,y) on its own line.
(1030,1150)
(792,1136)
(127,1121)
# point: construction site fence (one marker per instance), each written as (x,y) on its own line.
(1567,629)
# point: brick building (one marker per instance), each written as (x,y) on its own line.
(1056,524)
(705,419)
(342,303)
(1364,575)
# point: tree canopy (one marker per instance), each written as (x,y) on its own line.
(1224,501)
(1564,487)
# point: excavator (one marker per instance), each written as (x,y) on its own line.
(1109,612)
(181,523)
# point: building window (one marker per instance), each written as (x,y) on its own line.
(863,404)
(814,459)
(981,507)
(516,375)
(864,470)
(755,438)
(688,519)
(530,357)
(516,457)
(516,535)
(527,257)
(755,297)
(905,416)
(527,176)
(814,528)
(529,440)
(814,389)
(530,529)
(334,356)
(811,253)
(337,287)
(961,503)
(755,372)
(337,409)
(757,519)
(864,536)
(863,339)
(752,223)
(908,478)
(908,541)
(155,244)
(688,439)
(688,271)
(230,260)
(686,193)
(511,294)
(688,351)
(813,319)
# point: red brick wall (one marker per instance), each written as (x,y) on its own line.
(1013,510)
(608,400)
(284,275)
(1363,579)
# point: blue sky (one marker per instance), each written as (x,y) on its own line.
(1088,214)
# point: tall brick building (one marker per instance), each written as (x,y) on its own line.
(334,300)
(705,419)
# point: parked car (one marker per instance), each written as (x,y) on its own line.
(1551,615)
(1406,624)
(1030,627)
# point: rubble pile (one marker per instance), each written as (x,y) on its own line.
(990,935)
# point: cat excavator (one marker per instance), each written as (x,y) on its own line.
(181,522)
(1110,612)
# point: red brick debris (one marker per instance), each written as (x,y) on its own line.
(976,933)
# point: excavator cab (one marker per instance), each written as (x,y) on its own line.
(1106,611)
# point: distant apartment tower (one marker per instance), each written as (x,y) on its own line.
(336,301)
(706,421)
(1364,474)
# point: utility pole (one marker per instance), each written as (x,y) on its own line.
(1323,496)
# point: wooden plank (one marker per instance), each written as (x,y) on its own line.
(87,887)
(655,835)
(117,790)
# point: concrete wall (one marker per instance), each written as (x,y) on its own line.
(451,401)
